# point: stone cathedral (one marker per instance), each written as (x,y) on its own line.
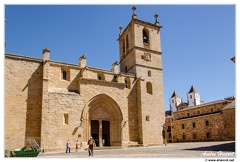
(55,101)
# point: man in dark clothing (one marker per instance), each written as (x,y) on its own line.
(68,147)
(91,142)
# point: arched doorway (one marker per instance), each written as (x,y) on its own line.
(102,120)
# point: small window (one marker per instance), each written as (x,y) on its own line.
(183,137)
(147,118)
(207,123)
(172,101)
(208,135)
(211,109)
(183,126)
(127,43)
(100,76)
(149,73)
(193,125)
(198,112)
(126,69)
(65,119)
(65,74)
(188,114)
(190,96)
(195,136)
(149,88)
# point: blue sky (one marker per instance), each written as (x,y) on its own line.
(197,40)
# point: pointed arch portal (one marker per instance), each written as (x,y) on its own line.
(102,118)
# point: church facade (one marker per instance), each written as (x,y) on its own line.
(55,101)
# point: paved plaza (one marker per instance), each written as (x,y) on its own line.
(223,149)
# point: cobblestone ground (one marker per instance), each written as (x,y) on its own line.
(224,149)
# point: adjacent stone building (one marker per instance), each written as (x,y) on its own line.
(55,101)
(213,121)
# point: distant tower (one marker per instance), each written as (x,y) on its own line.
(175,100)
(193,97)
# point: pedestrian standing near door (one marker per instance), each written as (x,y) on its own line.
(91,144)
(68,145)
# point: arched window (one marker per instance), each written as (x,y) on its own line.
(149,88)
(207,123)
(183,126)
(194,124)
(145,36)
(100,76)
(127,43)
(64,75)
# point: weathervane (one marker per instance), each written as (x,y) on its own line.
(120,27)
(134,16)
(156,19)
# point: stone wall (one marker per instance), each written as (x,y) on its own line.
(132,104)
(168,128)
(55,75)
(229,123)
(201,130)
(207,122)
(62,104)
(23,99)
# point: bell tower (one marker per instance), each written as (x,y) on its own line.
(140,54)
(193,97)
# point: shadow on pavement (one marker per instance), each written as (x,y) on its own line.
(222,147)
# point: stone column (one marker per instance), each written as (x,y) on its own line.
(100,134)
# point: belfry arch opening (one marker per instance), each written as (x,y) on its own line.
(102,120)
(145,34)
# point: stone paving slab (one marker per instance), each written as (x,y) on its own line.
(223,149)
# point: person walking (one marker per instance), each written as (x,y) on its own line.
(77,144)
(164,136)
(68,147)
(91,144)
